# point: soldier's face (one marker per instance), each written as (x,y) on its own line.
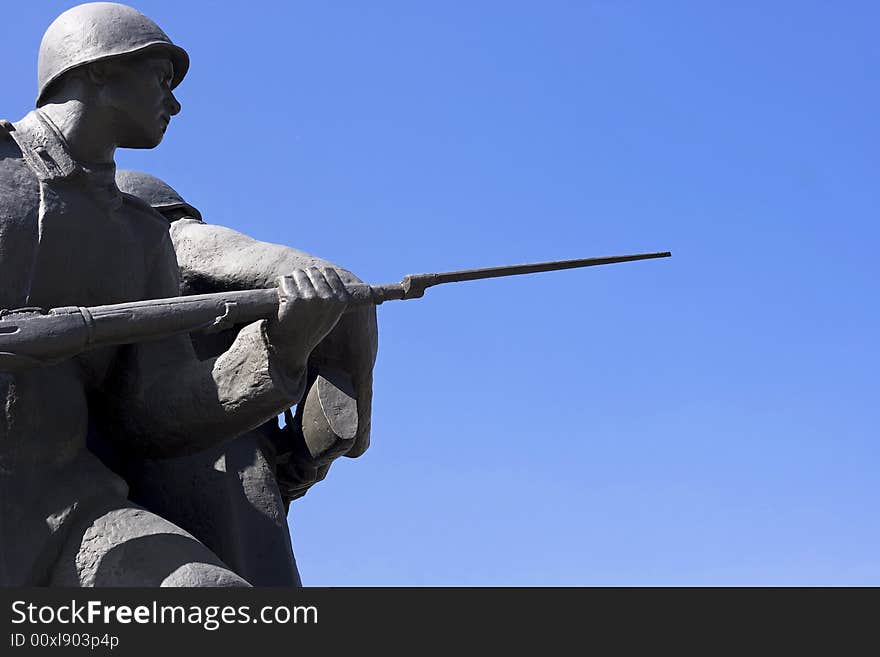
(138,94)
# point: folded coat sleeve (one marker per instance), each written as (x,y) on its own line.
(214,258)
(167,402)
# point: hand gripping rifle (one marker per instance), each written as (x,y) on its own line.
(33,337)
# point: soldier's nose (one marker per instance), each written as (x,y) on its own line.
(173,105)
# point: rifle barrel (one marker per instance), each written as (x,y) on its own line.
(30,337)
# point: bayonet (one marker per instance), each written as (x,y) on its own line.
(414,285)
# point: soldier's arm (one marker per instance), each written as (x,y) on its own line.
(214,258)
(167,402)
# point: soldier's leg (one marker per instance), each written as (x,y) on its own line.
(120,544)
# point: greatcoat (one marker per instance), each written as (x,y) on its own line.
(69,237)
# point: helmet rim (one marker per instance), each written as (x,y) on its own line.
(179,58)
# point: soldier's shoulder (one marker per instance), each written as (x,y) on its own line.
(5,128)
(146,221)
(18,185)
(10,153)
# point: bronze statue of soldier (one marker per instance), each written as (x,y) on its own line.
(68,236)
(235,497)
(106,370)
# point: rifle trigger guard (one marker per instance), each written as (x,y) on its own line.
(226,320)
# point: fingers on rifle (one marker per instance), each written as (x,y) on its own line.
(304,284)
(287,285)
(336,283)
(322,287)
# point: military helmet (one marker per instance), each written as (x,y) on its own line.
(159,194)
(96,31)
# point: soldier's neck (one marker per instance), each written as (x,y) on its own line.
(85,131)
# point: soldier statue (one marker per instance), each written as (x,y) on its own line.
(146,355)
(70,237)
(235,497)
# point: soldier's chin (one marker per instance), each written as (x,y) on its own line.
(145,140)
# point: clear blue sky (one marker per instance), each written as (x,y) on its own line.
(709,419)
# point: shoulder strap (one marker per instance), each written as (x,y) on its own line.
(41,147)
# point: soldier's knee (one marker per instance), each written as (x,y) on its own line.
(203,575)
(130,546)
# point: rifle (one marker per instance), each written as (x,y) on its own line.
(33,337)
